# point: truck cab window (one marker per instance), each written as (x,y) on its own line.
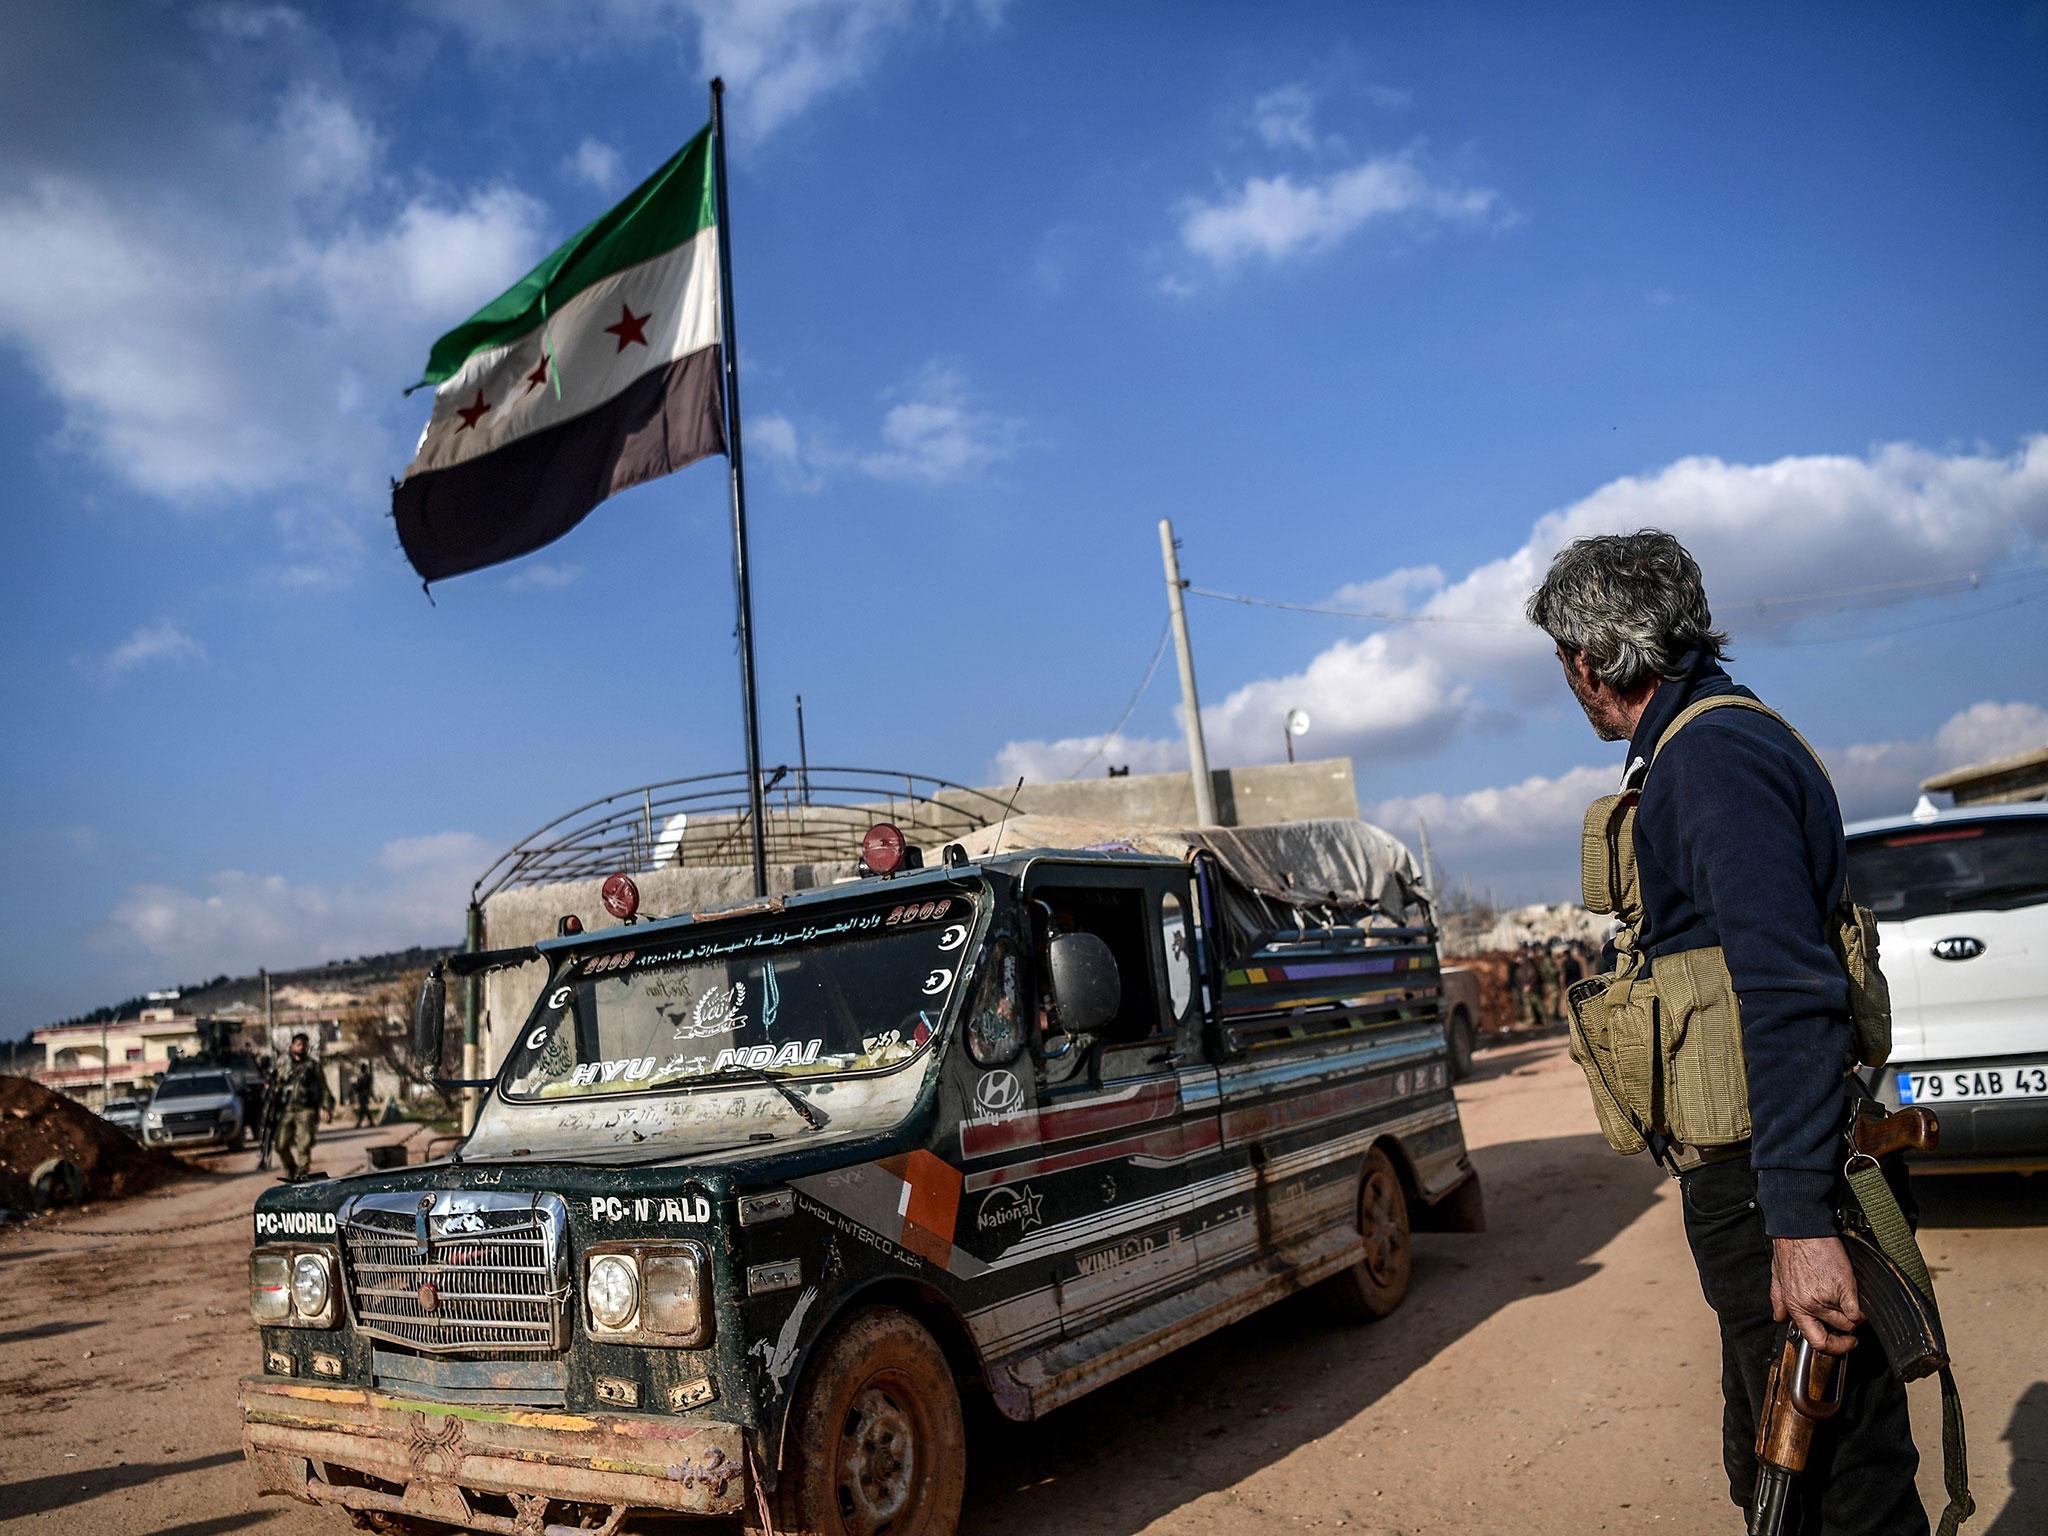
(1121,918)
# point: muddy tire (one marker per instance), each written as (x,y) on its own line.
(877,1445)
(1374,1286)
(1458,1043)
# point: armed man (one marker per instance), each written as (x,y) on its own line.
(301,1093)
(1742,993)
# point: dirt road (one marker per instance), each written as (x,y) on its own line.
(1554,1375)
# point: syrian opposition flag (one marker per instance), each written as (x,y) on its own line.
(597,370)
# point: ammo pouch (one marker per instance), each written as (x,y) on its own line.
(1662,1047)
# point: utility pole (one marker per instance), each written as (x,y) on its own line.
(1198,752)
(269,1018)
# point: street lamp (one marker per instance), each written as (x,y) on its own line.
(1297,724)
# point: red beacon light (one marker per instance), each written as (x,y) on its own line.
(568,925)
(882,849)
(621,897)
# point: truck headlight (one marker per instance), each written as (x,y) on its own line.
(672,1300)
(312,1285)
(648,1293)
(292,1288)
(612,1287)
(270,1295)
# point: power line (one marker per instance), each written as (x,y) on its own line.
(1158,655)
(1353,613)
(1973,580)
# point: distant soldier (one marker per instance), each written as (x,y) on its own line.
(1572,970)
(1547,977)
(301,1093)
(1522,983)
(359,1090)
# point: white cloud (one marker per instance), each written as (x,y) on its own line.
(1391,593)
(161,641)
(1770,539)
(1986,731)
(252,320)
(543,576)
(777,57)
(1041,762)
(1522,838)
(934,432)
(1277,217)
(236,921)
(596,164)
(1285,118)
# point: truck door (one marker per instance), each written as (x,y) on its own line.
(1129,1111)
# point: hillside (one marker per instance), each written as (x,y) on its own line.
(364,974)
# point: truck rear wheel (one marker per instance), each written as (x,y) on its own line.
(877,1438)
(1374,1286)
(1458,1041)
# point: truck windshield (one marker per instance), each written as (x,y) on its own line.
(809,995)
(192,1085)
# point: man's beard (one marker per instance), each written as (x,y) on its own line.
(1608,723)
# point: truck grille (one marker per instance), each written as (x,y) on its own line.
(490,1279)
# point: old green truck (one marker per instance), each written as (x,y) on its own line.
(756,1197)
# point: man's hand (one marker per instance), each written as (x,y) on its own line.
(1812,1287)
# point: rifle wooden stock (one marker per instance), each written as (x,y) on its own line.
(1912,1129)
(1805,1387)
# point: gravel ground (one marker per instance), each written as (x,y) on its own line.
(1554,1375)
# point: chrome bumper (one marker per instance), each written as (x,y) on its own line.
(487,1469)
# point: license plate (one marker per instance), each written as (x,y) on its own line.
(2007,1080)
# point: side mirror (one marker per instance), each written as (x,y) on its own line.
(1087,990)
(429,1017)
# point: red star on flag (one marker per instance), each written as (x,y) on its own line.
(473,412)
(631,327)
(538,376)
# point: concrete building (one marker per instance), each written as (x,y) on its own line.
(2000,781)
(96,1062)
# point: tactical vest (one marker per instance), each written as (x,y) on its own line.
(1661,1046)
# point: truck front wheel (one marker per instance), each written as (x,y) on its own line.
(876,1439)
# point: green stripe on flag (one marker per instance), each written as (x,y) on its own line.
(671,206)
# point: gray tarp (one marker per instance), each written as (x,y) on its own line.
(1273,876)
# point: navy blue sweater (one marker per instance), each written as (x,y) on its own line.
(1739,843)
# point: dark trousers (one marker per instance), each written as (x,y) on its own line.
(1859,1479)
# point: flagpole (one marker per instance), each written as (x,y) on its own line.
(731,350)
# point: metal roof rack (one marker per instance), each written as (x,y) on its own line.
(813,815)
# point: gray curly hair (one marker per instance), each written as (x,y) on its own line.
(1631,603)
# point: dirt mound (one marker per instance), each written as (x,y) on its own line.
(36,1124)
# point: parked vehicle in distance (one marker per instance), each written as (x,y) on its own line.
(125,1112)
(1961,899)
(757,1196)
(1461,1018)
(194,1111)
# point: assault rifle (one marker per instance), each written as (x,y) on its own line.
(268,1139)
(1806,1387)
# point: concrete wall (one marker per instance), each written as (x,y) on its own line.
(1244,797)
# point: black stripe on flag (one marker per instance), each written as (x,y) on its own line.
(527,494)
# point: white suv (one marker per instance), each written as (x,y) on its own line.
(1961,899)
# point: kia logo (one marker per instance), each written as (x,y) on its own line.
(1958,948)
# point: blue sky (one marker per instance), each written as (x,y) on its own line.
(1379,304)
